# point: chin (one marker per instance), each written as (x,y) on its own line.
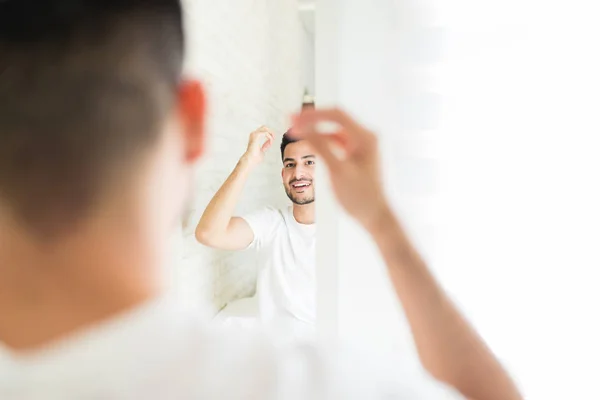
(303,201)
(307,198)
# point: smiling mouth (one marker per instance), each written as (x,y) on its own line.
(301,186)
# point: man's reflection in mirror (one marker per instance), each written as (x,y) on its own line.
(283,239)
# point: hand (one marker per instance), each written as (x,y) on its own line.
(260,141)
(351,153)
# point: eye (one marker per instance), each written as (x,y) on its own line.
(310,162)
(289,165)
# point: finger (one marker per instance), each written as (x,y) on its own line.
(266,130)
(266,146)
(324,146)
(260,130)
(260,134)
(349,134)
(341,139)
(312,118)
(269,138)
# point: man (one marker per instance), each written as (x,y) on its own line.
(98,135)
(284,239)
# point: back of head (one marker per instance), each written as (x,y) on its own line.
(85,87)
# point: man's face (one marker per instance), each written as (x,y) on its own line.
(298,171)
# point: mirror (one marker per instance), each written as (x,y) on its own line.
(248,254)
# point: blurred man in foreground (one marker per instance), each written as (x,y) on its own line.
(98,136)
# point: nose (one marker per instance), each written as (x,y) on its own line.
(299,172)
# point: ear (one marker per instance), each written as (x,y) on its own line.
(192,110)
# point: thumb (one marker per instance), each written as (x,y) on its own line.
(266,145)
(325,146)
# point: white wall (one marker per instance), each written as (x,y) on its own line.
(491,157)
(307,16)
(248,55)
(521,187)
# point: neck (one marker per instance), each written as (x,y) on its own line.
(305,214)
(52,289)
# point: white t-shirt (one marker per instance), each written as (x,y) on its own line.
(161,350)
(286,271)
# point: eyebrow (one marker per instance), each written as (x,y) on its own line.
(303,157)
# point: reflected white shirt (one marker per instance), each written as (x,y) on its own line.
(286,285)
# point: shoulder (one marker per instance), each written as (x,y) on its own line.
(264,218)
(206,359)
(302,371)
(267,212)
(224,363)
(259,369)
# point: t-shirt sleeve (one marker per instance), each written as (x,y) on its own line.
(263,223)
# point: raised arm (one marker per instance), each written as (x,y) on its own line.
(218,227)
(449,348)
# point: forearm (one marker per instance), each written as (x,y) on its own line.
(220,209)
(448,346)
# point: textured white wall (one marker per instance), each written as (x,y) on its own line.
(249,56)
(308,47)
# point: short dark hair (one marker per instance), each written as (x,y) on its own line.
(287,139)
(85,86)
